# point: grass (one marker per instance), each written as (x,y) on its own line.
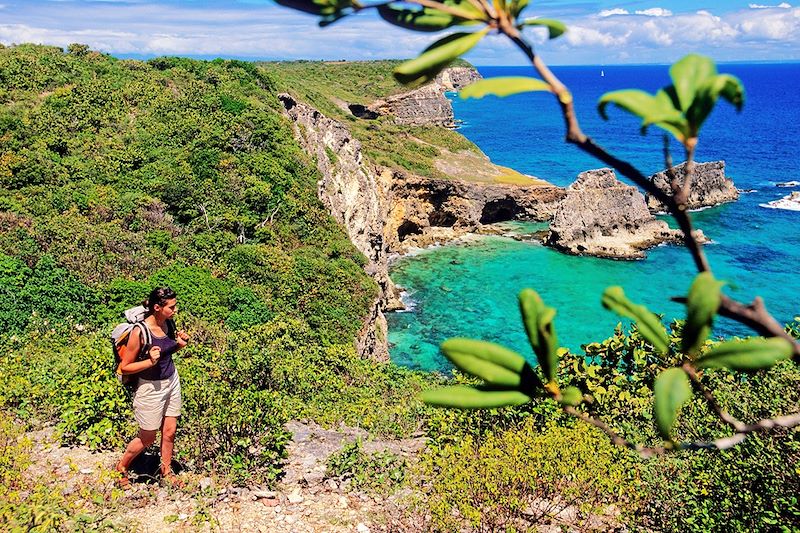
(428,151)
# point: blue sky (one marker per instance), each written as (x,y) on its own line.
(601,32)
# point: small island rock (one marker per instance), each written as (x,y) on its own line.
(710,187)
(604,217)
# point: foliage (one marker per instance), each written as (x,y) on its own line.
(378,472)
(237,432)
(523,477)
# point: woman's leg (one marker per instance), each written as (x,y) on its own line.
(168,428)
(135,447)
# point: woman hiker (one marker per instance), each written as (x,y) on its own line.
(157,400)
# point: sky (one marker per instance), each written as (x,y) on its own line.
(600,32)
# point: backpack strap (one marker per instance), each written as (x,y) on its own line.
(147,340)
(172,329)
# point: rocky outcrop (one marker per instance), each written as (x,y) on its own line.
(710,187)
(427,105)
(456,78)
(350,191)
(602,216)
(425,211)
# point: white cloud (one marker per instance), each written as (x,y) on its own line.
(612,12)
(655,12)
(782,5)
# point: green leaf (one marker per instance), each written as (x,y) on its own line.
(672,389)
(649,324)
(751,354)
(571,396)
(704,298)
(466,397)
(427,65)
(490,362)
(316,7)
(555,28)
(688,75)
(725,85)
(503,87)
(517,6)
(655,109)
(538,320)
(426,19)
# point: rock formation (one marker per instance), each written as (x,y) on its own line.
(602,216)
(456,78)
(427,105)
(426,211)
(349,190)
(388,211)
(709,186)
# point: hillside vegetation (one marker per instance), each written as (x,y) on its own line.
(119,175)
(331,86)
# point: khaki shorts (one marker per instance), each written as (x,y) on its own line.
(156,399)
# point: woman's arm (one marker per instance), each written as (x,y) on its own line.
(182,338)
(129,364)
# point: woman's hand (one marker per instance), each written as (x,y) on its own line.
(182,338)
(155,355)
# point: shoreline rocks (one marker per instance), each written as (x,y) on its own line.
(604,217)
(710,187)
(428,211)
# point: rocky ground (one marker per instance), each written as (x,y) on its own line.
(304,501)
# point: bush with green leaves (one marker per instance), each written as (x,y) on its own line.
(234,431)
(516,479)
(378,472)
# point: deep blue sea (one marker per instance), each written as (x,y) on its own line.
(470,289)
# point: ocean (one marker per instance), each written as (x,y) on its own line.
(469,289)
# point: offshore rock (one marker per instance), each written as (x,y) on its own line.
(710,187)
(604,217)
(427,211)
(350,191)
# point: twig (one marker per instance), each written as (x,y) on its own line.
(710,400)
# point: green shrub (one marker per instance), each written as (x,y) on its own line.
(379,472)
(237,432)
(519,478)
(95,410)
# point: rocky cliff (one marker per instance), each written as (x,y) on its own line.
(709,186)
(425,211)
(427,105)
(602,216)
(350,191)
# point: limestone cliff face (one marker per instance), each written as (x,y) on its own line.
(709,186)
(349,190)
(427,105)
(425,211)
(456,78)
(602,216)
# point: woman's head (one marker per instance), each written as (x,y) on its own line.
(162,301)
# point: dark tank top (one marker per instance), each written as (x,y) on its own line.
(165,368)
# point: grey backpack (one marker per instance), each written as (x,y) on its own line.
(119,342)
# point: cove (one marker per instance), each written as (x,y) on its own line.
(470,289)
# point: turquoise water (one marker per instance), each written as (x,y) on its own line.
(470,289)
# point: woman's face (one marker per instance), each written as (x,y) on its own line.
(168,310)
